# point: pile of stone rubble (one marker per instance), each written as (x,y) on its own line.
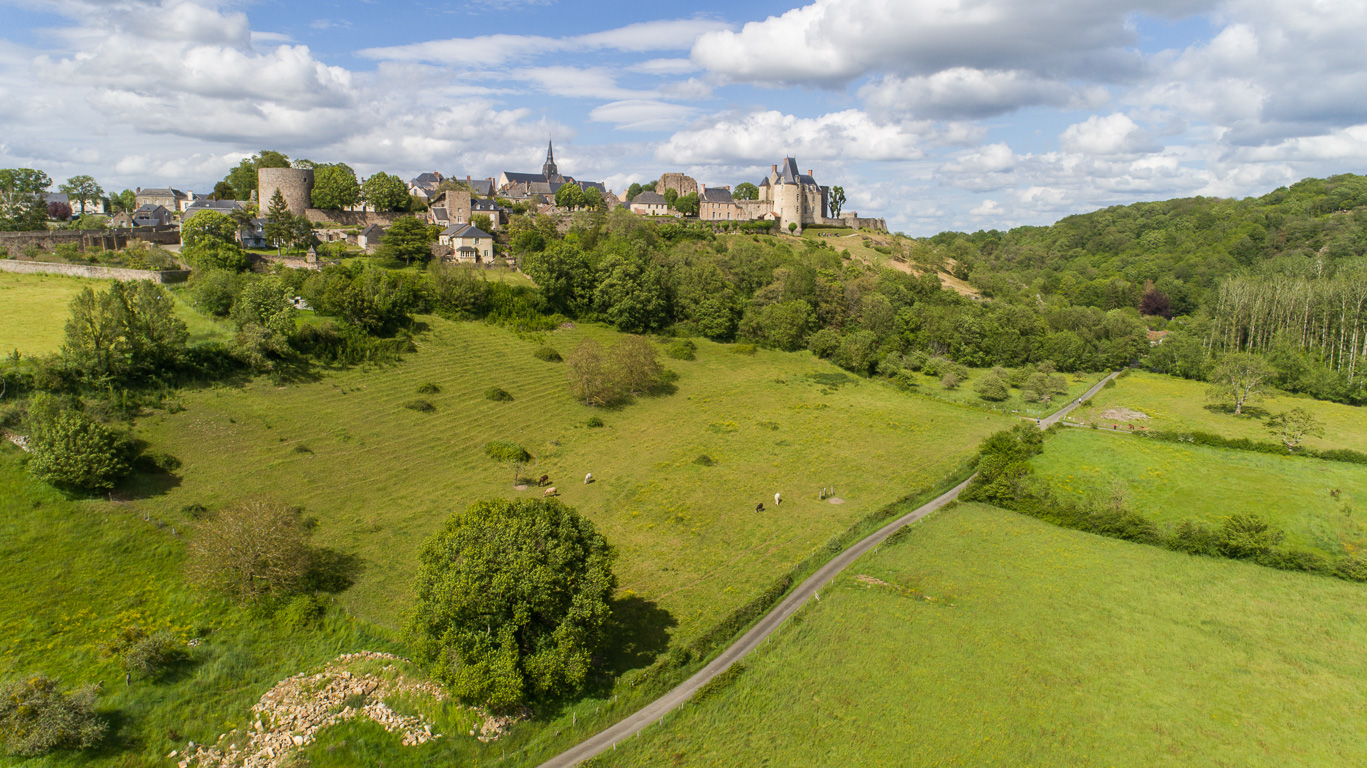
(291,714)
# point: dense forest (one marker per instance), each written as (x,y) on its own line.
(1281,275)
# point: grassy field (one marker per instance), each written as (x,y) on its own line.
(1173,482)
(381,477)
(995,639)
(77,573)
(1173,404)
(36,307)
(929,386)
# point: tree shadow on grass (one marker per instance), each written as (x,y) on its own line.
(1249,411)
(640,629)
(332,571)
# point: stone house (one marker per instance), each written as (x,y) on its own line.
(172,200)
(151,216)
(437,215)
(681,184)
(122,219)
(468,243)
(717,204)
(498,216)
(369,239)
(649,204)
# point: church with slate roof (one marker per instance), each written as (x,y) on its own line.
(520,186)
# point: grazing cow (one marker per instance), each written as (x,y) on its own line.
(544,479)
(588,478)
(759,507)
(551,492)
(777,499)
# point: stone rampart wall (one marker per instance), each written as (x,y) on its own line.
(356,218)
(99,273)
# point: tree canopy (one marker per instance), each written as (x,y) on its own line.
(513,601)
(406,239)
(384,192)
(335,187)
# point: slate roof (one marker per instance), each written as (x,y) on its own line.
(649,198)
(787,173)
(438,213)
(464,231)
(710,195)
(764,182)
(525,178)
(431,178)
(163,192)
(374,230)
(484,206)
(55,197)
(150,208)
(482,186)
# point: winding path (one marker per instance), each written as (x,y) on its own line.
(657,709)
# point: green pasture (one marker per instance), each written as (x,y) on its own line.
(34,310)
(381,477)
(996,639)
(77,573)
(1015,405)
(1173,482)
(1172,403)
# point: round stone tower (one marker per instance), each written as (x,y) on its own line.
(788,205)
(295,185)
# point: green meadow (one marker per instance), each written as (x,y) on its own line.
(1014,405)
(34,311)
(1321,505)
(1171,403)
(982,637)
(381,477)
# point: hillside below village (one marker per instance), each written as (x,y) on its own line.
(316,470)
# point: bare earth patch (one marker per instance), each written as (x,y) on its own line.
(871,581)
(291,714)
(835,500)
(1122,414)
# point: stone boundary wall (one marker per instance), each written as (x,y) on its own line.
(98,273)
(358,218)
(14,243)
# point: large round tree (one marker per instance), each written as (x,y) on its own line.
(512,601)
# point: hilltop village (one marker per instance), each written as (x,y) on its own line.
(466,215)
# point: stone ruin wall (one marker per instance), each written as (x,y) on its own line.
(683,185)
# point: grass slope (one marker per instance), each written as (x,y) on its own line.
(1173,482)
(1001,640)
(77,573)
(1174,404)
(36,308)
(381,477)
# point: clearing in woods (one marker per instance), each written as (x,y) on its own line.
(1172,403)
(996,639)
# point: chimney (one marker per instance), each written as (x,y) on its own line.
(467,181)
(727,187)
(775,167)
(811,173)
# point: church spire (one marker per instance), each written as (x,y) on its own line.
(549,169)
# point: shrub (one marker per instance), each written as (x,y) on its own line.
(1194,539)
(824,343)
(152,655)
(72,450)
(917,360)
(743,349)
(594,423)
(705,460)
(498,395)
(950,380)
(250,549)
(992,388)
(1351,568)
(420,405)
(548,354)
(36,717)
(1246,535)
(301,613)
(682,349)
(499,450)
(428,389)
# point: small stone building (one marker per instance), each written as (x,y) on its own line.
(468,243)
(649,204)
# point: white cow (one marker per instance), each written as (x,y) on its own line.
(778,499)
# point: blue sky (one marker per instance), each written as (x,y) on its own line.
(935,114)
